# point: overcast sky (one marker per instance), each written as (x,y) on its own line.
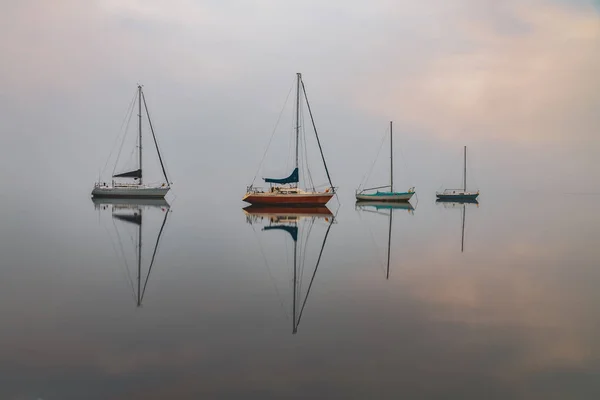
(516,81)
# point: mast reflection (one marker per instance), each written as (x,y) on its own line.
(462,204)
(385,209)
(298,223)
(131,212)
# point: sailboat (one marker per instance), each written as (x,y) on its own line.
(285,191)
(386,196)
(135,189)
(378,208)
(459,194)
(130,211)
(288,219)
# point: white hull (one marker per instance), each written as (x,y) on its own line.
(132,191)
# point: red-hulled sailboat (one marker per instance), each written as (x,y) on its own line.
(286,191)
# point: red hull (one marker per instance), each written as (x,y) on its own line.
(288,199)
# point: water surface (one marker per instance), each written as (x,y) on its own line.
(509,310)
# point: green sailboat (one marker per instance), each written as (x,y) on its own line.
(385,196)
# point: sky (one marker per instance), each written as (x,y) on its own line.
(515,81)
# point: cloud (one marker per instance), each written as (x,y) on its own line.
(522,74)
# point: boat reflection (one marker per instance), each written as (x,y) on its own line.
(377,207)
(298,222)
(461,204)
(130,212)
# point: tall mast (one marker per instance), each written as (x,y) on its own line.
(387,276)
(391,161)
(140,128)
(465,171)
(298,78)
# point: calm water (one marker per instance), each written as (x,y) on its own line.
(511,311)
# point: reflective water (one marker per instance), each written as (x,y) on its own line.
(301,304)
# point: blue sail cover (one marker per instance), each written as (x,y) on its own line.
(137,174)
(292,230)
(293,178)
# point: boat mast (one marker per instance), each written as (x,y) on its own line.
(140,128)
(298,78)
(391,161)
(465,171)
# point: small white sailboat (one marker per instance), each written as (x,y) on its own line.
(459,194)
(385,195)
(135,189)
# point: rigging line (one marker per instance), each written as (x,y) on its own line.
(125,260)
(130,156)
(372,237)
(310,179)
(316,134)
(301,257)
(451,170)
(133,240)
(471,176)
(123,140)
(370,170)
(286,313)
(121,132)
(298,261)
(312,224)
(290,153)
(314,273)
(301,261)
(272,134)
(126,270)
(291,157)
(301,145)
(162,165)
(154,255)
(408,174)
(287,253)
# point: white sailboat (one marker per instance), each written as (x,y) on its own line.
(135,189)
